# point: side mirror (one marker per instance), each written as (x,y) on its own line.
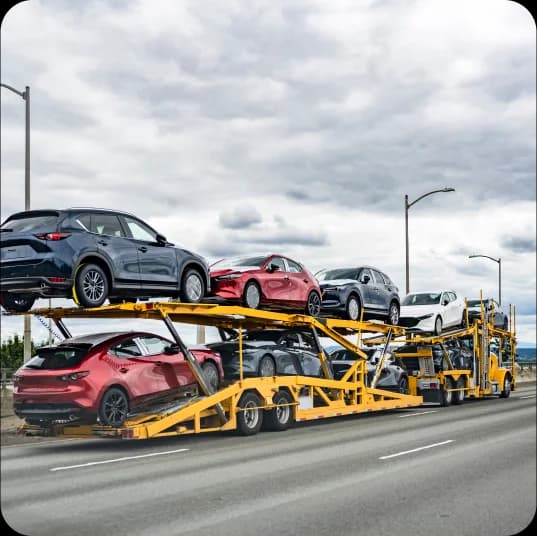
(272,267)
(445,302)
(366,279)
(172,349)
(161,239)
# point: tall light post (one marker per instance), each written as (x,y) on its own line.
(27,340)
(407,206)
(499,261)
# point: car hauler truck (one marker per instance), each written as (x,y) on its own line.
(247,404)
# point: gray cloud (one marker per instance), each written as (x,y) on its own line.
(519,244)
(240,218)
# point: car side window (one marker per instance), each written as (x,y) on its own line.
(445,298)
(378,277)
(83,221)
(153,345)
(363,273)
(293,266)
(107,224)
(127,348)
(387,280)
(278,261)
(452,296)
(140,231)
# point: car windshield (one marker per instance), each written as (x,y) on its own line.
(58,358)
(240,261)
(29,223)
(423,298)
(338,273)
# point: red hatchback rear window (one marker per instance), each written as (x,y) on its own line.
(57,358)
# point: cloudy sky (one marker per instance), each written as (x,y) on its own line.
(288,126)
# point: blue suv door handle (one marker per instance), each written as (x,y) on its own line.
(143,249)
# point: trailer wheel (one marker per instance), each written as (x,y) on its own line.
(446,396)
(506,391)
(249,414)
(458,396)
(282,416)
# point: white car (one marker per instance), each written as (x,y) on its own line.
(432,311)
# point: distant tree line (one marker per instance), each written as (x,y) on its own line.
(12,352)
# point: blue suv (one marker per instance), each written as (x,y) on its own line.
(90,255)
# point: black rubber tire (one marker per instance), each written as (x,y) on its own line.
(437,330)
(446,397)
(266,367)
(250,420)
(19,303)
(114,407)
(506,391)
(192,287)
(91,285)
(353,308)
(282,417)
(211,375)
(249,294)
(403,385)
(393,314)
(313,305)
(463,320)
(458,396)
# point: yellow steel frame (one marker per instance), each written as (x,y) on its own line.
(312,398)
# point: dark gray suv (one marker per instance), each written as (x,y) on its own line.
(348,291)
(90,255)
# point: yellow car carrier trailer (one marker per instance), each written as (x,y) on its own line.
(248,404)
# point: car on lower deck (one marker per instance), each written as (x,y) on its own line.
(393,376)
(269,353)
(104,377)
(349,291)
(89,255)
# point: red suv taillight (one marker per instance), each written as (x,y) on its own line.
(74,376)
(52,236)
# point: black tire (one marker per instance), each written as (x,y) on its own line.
(91,285)
(266,367)
(19,303)
(250,416)
(313,305)
(251,296)
(403,385)
(446,397)
(114,407)
(192,287)
(506,391)
(281,417)
(211,375)
(353,309)
(458,396)
(463,320)
(437,330)
(393,314)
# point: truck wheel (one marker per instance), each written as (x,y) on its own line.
(506,391)
(282,416)
(458,396)
(446,396)
(249,414)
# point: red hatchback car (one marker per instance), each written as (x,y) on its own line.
(105,376)
(269,281)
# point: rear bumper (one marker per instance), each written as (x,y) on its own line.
(52,412)
(38,285)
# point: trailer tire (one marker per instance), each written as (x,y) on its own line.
(249,414)
(458,396)
(446,397)
(281,417)
(506,391)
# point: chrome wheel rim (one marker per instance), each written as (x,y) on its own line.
(251,414)
(93,285)
(314,304)
(211,377)
(282,413)
(115,409)
(193,287)
(252,296)
(394,314)
(267,367)
(354,309)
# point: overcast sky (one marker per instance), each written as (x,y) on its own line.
(294,127)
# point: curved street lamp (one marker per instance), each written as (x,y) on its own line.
(27,338)
(499,261)
(407,206)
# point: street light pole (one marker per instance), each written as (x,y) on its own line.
(499,261)
(407,206)
(27,339)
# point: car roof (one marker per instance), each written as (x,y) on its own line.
(437,291)
(72,209)
(94,339)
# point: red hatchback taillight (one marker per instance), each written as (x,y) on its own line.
(52,236)
(73,377)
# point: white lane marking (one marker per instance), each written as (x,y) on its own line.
(529,396)
(416,450)
(118,460)
(414,414)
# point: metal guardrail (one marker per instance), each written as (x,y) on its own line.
(526,364)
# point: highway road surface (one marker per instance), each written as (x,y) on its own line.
(463,470)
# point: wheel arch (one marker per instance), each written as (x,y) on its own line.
(99,261)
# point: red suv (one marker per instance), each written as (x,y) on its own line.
(105,376)
(268,280)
